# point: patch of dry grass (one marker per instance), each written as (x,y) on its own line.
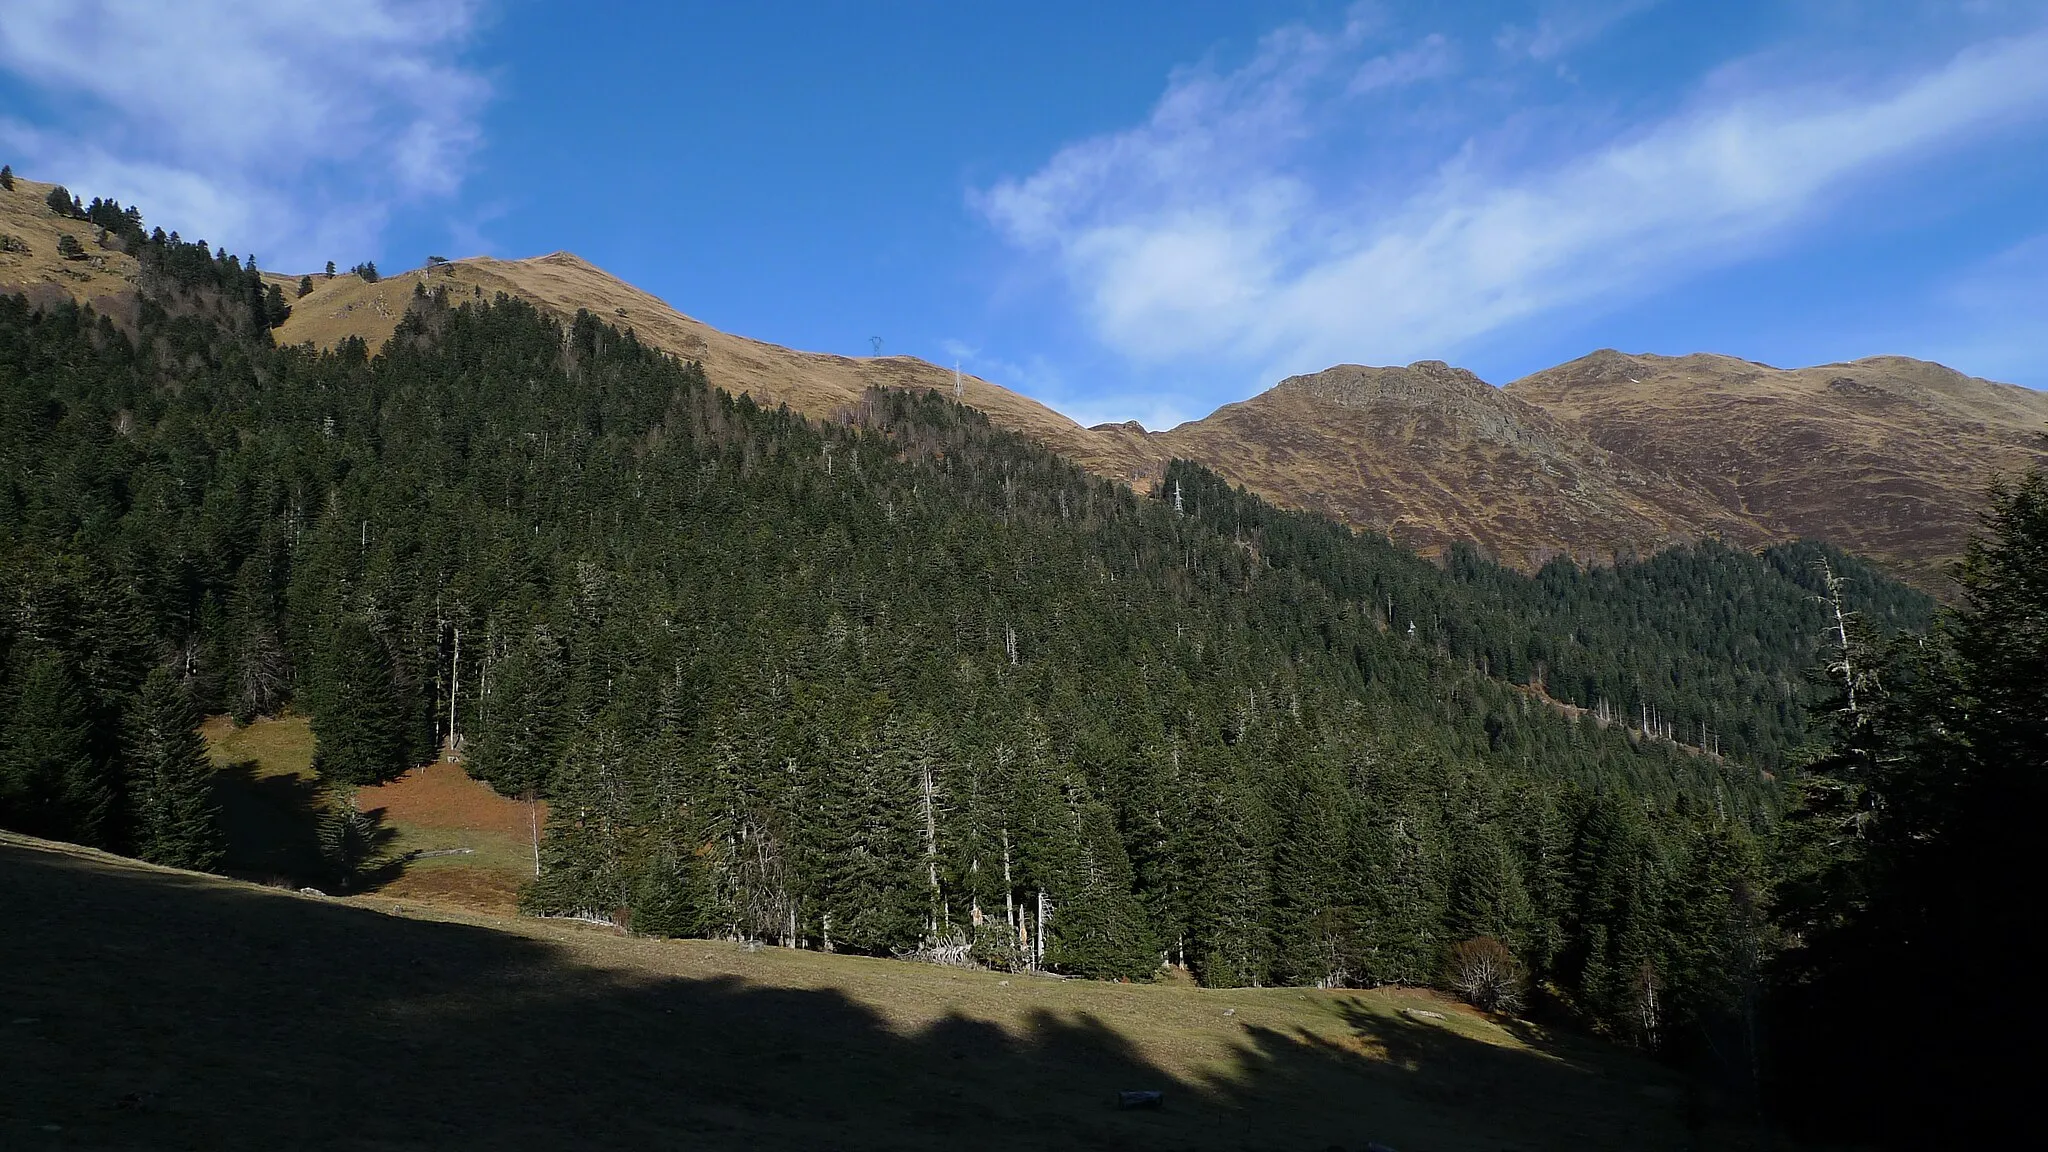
(275,745)
(446,838)
(101,274)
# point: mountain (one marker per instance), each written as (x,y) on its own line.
(815,383)
(1431,455)
(1608,455)
(31,263)
(1886,456)
(1605,456)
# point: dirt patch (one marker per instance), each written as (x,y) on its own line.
(442,796)
(491,891)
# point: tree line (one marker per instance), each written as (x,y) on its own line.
(901,683)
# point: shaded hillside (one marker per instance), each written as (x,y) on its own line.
(149,1008)
(1887,456)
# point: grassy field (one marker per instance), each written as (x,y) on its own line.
(445,838)
(153,1008)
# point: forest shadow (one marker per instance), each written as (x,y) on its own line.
(271,826)
(154,1009)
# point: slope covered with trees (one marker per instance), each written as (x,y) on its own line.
(895,683)
(1904,871)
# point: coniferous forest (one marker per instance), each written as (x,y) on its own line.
(903,684)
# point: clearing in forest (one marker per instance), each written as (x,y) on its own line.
(442,836)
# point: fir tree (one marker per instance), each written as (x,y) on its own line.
(356,717)
(1935,772)
(6,177)
(1313,920)
(275,310)
(49,783)
(261,667)
(306,282)
(587,856)
(169,779)
(873,884)
(1099,929)
(517,744)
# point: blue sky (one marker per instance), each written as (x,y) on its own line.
(1135,210)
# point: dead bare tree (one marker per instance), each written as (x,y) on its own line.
(1486,974)
(1844,665)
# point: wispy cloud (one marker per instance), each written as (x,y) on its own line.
(291,127)
(1562,26)
(1252,220)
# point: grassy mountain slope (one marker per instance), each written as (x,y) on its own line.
(1602,456)
(1431,454)
(814,383)
(155,1008)
(1885,456)
(101,278)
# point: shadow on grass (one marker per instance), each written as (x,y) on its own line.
(275,827)
(271,823)
(153,1009)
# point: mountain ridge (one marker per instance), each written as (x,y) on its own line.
(1601,457)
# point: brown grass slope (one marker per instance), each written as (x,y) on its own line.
(818,384)
(1886,456)
(152,1008)
(1431,454)
(104,278)
(1610,453)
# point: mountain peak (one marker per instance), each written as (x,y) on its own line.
(1362,386)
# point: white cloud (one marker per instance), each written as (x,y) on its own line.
(289,128)
(1429,60)
(1229,225)
(1561,27)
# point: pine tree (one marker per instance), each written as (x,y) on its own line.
(356,717)
(49,783)
(1099,929)
(330,270)
(306,283)
(275,310)
(6,177)
(261,667)
(169,790)
(1312,916)
(60,201)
